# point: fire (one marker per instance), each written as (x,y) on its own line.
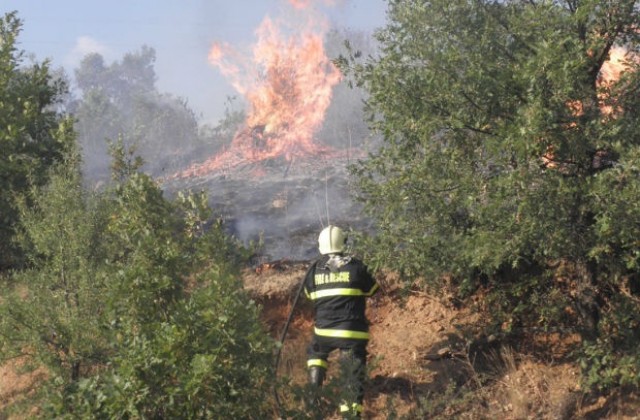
(303,4)
(287,82)
(619,61)
(613,68)
(610,73)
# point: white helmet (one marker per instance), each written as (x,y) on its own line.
(332,240)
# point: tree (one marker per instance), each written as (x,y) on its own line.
(121,100)
(510,162)
(53,311)
(33,135)
(132,306)
(187,339)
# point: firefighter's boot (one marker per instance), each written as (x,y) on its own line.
(350,412)
(316,378)
(316,375)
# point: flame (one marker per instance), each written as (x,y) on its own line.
(610,73)
(619,61)
(287,81)
(612,70)
(303,4)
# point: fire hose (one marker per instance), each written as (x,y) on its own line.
(283,336)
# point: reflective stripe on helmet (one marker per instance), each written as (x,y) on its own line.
(360,335)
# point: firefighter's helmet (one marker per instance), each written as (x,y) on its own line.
(332,240)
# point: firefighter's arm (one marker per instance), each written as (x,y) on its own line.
(308,280)
(370,283)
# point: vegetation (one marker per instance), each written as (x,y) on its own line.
(134,310)
(511,165)
(120,99)
(508,170)
(33,134)
(132,307)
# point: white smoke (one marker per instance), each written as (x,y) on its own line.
(86,45)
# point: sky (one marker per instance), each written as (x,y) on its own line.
(181,32)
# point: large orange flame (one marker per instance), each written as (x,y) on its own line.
(288,85)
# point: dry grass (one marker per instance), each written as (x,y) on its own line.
(17,385)
(525,388)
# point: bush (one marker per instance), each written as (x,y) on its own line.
(134,308)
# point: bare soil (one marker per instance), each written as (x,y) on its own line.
(423,364)
(17,385)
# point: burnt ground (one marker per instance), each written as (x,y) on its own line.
(280,205)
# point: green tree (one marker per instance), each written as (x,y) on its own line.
(53,313)
(132,306)
(188,340)
(32,133)
(501,164)
(121,99)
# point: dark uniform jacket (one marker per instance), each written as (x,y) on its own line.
(338,286)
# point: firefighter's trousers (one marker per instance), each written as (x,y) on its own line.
(353,354)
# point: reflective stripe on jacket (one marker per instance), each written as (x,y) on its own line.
(339,293)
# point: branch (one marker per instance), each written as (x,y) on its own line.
(504,24)
(611,37)
(471,101)
(572,6)
(480,131)
(422,189)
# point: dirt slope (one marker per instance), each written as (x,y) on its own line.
(422,367)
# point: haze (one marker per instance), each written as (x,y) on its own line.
(180,32)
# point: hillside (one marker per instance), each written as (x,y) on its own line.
(423,367)
(427,356)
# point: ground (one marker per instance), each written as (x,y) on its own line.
(424,365)
(422,362)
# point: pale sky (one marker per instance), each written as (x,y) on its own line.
(181,32)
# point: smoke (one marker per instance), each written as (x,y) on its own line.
(281,202)
(283,213)
(268,195)
(86,45)
(303,4)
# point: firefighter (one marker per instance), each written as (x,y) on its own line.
(338,285)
